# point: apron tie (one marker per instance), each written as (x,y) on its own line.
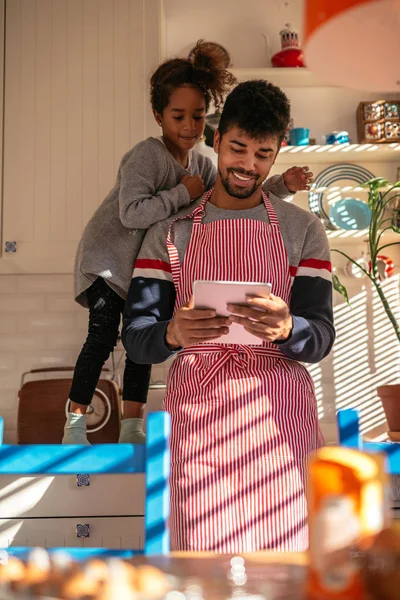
(240,355)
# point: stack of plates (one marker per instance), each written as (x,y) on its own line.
(329,197)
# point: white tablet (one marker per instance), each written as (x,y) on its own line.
(217,294)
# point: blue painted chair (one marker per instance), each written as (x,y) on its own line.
(153,459)
(350,436)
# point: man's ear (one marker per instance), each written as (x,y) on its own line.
(157,117)
(217,140)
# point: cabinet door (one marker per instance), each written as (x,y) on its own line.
(108,532)
(76,99)
(43,496)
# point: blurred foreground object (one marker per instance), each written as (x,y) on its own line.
(354,43)
(346,510)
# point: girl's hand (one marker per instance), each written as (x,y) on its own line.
(194,185)
(297,179)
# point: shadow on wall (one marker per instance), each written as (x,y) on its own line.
(366,354)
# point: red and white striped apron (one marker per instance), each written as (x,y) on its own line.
(244,418)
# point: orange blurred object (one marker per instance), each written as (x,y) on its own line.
(346,510)
(354,43)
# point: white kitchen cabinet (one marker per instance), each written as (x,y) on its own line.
(42,510)
(107,532)
(76,99)
(36,496)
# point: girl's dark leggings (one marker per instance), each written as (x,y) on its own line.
(105,309)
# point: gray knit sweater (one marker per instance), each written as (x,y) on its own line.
(147,190)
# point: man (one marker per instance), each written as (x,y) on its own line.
(244,418)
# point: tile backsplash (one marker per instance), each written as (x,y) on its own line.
(41,326)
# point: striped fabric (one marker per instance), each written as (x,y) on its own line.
(312,267)
(244,419)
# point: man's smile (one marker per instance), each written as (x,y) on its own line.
(241,179)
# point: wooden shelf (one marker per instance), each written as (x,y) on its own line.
(299,77)
(339,153)
(289,77)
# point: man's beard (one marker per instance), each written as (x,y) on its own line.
(235,190)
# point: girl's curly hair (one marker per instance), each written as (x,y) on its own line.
(205,68)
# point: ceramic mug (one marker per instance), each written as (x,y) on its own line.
(299,136)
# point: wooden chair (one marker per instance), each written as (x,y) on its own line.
(153,460)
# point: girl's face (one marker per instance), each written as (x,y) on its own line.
(183,119)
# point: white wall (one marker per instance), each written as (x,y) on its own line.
(76,99)
(236,24)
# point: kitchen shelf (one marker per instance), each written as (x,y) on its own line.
(339,153)
(343,237)
(298,77)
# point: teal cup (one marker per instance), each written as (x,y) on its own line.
(299,136)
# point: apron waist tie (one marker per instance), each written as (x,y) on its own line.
(240,355)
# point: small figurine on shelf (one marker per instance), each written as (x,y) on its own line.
(338,137)
(291,54)
(286,140)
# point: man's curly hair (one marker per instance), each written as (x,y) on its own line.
(258,108)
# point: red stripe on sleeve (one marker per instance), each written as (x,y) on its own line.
(146,263)
(314,263)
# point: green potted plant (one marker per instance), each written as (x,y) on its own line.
(381,194)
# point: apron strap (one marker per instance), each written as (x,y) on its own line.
(197,215)
(273,219)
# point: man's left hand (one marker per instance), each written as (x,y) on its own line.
(297,179)
(266,318)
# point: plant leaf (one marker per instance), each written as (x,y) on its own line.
(376,183)
(339,287)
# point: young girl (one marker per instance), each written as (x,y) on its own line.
(155,179)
